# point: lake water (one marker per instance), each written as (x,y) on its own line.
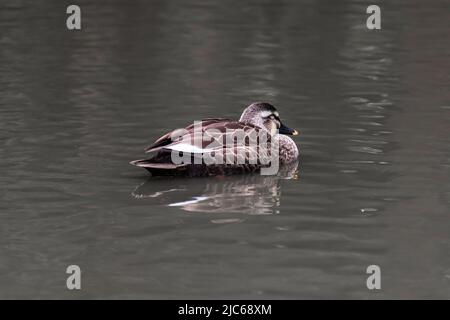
(372,187)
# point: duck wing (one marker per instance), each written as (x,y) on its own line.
(216,135)
(177,134)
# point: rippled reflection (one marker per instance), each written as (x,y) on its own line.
(246,194)
(76,107)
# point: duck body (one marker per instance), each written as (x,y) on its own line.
(204,149)
(288,150)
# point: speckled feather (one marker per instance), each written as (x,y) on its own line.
(160,161)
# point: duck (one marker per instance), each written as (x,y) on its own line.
(221,146)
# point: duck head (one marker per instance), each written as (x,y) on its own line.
(266,116)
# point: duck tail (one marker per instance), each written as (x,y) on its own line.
(158,168)
(150,163)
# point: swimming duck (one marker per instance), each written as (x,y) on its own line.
(196,149)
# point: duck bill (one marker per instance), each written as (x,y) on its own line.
(288,131)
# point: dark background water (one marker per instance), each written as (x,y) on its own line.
(373,185)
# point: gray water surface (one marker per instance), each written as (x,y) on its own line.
(372,187)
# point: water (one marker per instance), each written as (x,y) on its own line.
(372,187)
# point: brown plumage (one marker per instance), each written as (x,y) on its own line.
(257,122)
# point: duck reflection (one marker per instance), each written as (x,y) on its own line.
(248,194)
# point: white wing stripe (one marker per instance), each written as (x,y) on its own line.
(186,147)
